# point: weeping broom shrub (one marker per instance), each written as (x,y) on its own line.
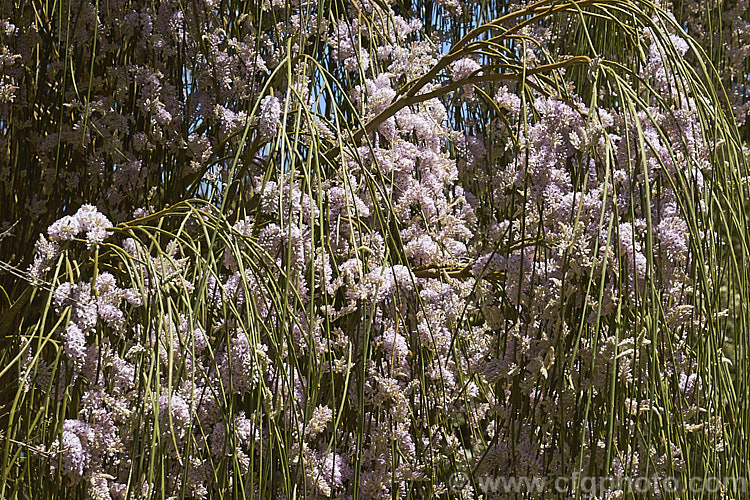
(320,250)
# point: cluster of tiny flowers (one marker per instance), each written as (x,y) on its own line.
(270,113)
(45,253)
(86,220)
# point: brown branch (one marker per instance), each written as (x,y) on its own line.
(457,272)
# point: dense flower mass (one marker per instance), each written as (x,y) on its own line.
(347,251)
